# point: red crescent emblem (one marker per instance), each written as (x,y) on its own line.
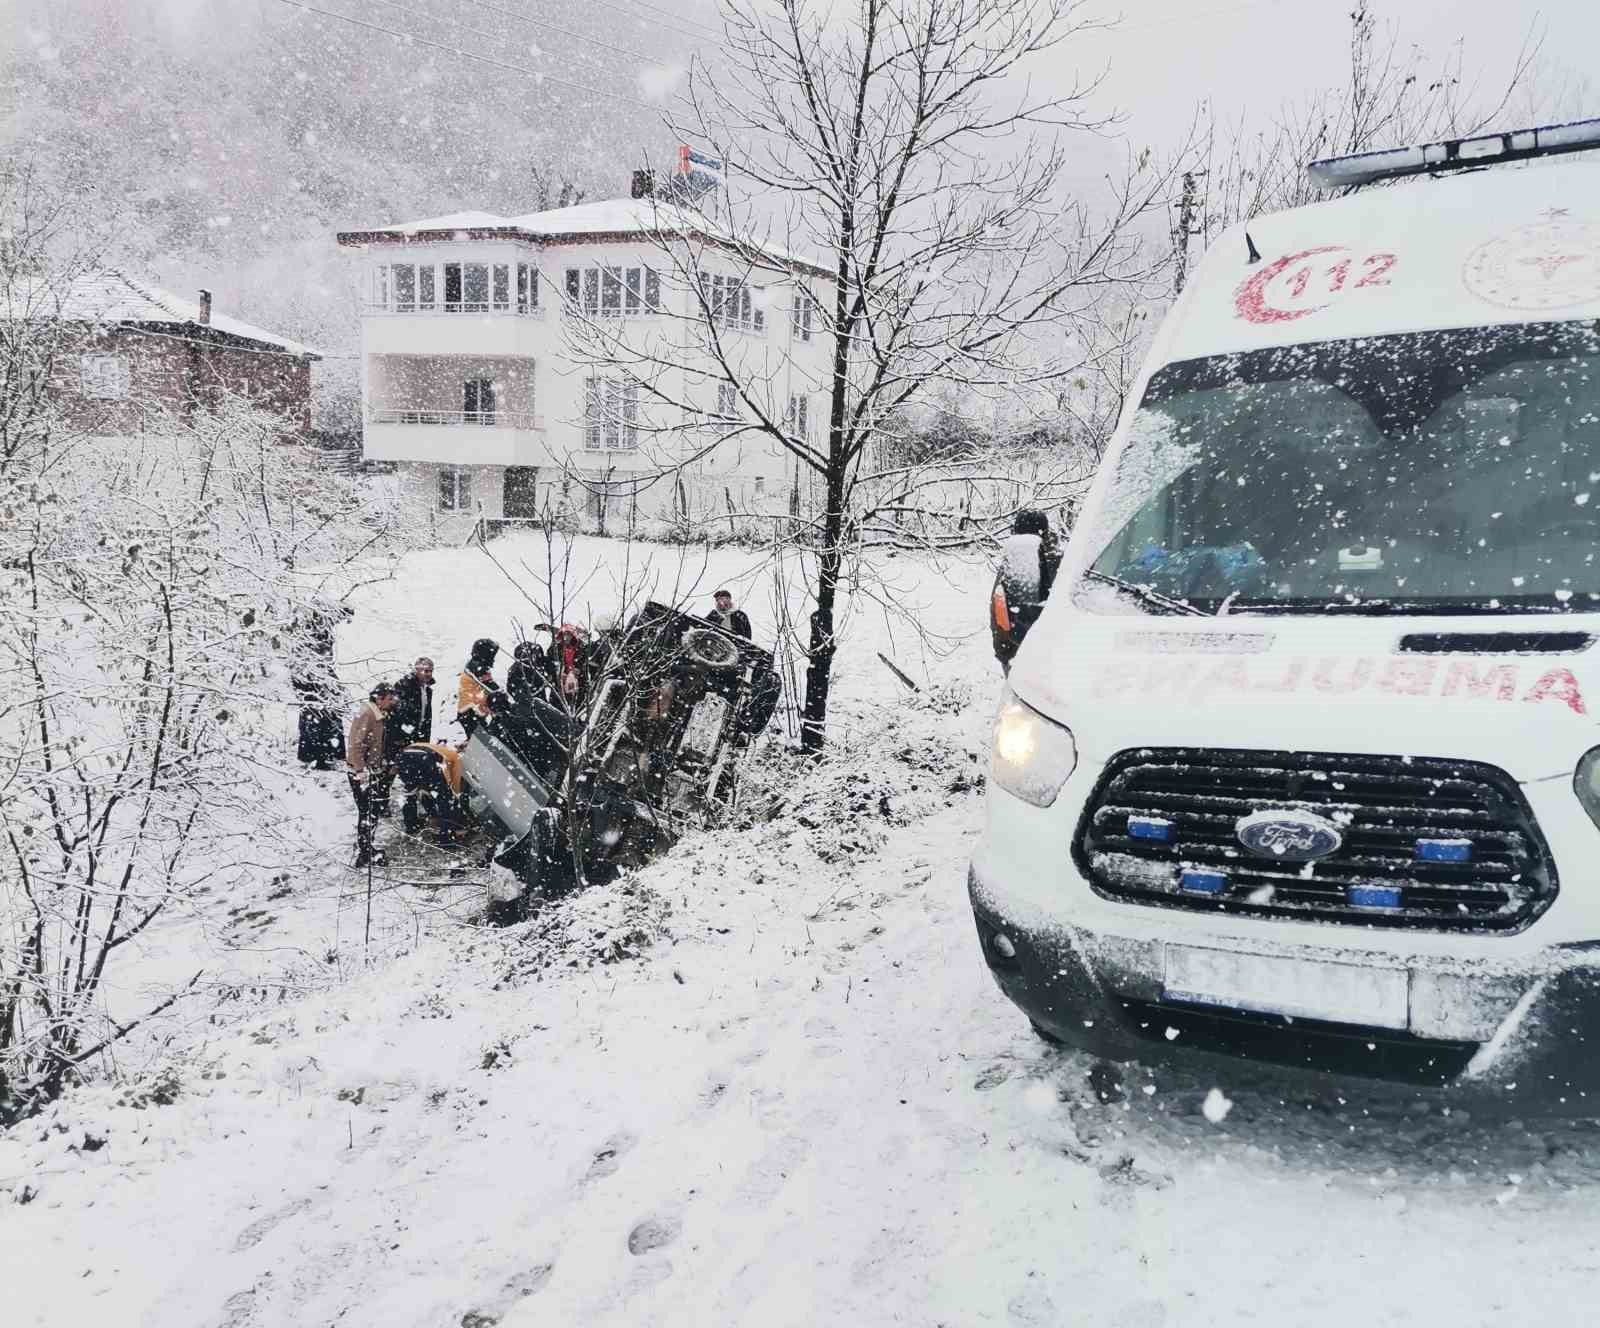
(1250,300)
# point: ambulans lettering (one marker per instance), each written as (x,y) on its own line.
(1463,678)
(1558,685)
(1400,676)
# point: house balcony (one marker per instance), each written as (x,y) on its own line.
(460,327)
(455,437)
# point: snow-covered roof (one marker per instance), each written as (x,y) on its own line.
(107,295)
(451,222)
(606,218)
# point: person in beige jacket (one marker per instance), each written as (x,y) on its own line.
(367,756)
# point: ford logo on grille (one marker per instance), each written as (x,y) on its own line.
(1291,836)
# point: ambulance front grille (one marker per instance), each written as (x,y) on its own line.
(1386,807)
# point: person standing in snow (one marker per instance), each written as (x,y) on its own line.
(312,674)
(367,756)
(727,617)
(411,720)
(604,654)
(478,694)
(525,679)
(570,654)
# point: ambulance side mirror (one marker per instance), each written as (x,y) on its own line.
(1021,586)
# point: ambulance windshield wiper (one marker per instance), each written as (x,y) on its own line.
(1145,595)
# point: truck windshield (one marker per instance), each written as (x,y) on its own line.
(1430,472)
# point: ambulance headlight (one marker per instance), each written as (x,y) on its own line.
(1586,783)
(1033,756)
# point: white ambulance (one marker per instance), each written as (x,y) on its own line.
(1300,766)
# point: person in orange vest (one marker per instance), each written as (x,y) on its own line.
(479,694)
(434,769)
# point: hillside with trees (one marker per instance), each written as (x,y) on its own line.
(223,143)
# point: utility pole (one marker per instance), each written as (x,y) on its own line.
(1183,230)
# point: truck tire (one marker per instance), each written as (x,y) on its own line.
(710,650)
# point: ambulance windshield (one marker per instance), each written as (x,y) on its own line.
(1429,472)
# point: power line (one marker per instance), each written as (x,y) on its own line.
(534,74)
(551,27)
(705,33)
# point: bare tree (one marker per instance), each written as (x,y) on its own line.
(1394,95)
(150,592)
(903,145)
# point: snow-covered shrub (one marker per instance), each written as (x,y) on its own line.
(155,597)
(908,763)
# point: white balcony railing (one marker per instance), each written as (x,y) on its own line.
(478,419)
(477,308)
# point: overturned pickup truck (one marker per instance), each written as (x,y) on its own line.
(575,799)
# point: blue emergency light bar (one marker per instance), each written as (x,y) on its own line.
(1454,154)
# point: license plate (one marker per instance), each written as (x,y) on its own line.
(1304,988)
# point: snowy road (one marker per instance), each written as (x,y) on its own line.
(804,1103)
(835,1120)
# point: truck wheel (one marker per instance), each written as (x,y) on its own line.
(710,650)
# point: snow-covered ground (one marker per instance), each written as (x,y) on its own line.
(766,1081)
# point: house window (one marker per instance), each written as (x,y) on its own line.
(404,278)
(452,287)
(527,288)
(474,288)
(455,489)
(613,291)
(795,420)
(727,403)
(732,304)
(804,314)
(610,415)
(502,286)
(477,400)
(425,275)
(380,286)
(105,377)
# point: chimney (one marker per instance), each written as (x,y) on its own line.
(205,305)
(644,184)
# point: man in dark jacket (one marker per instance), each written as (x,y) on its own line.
(526,679)
(321,741)
(411,720)
(727,617)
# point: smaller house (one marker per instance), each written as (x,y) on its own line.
(143,348)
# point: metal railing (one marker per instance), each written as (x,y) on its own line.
(483,419)
(480,308)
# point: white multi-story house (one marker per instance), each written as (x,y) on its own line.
(471,383)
